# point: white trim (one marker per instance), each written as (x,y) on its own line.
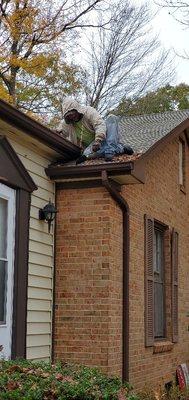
(6,329)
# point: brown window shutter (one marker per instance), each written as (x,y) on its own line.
(174,282)
(149,281)
(168,279)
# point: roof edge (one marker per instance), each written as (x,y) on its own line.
(38,131)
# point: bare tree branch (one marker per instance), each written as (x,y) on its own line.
(124,59)
(178,9)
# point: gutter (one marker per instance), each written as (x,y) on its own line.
(118,198)
(65,172)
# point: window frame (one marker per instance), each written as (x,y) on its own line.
(4,259)
(182,164)
(171,249)
(14,175)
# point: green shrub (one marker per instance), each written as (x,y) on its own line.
(26,380)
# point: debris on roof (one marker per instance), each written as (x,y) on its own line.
(121,158)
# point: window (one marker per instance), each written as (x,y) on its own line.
(182,163)
(161,282)
(15,175)
(3,259)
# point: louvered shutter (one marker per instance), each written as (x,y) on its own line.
(168,278)
(174,286)
(149,281)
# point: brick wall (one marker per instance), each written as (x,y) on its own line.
(161,198)
(88,297)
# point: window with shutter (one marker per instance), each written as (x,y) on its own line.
(174,282)
(181,163)
(161,282)
(149,281)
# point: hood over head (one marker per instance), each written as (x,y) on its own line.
(69,104)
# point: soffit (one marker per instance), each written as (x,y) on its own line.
(17,135)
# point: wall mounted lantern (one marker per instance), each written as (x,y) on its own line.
(48,213)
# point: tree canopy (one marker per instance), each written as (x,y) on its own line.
(37,35)
(31,39)
(167,98)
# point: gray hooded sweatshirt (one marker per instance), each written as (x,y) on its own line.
(91,121)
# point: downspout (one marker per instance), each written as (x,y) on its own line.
(126,239)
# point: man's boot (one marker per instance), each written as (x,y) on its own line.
(84,158)
(128,150)
(108,157)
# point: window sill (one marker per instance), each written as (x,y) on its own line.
(162,347)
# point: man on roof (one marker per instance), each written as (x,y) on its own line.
(85,127)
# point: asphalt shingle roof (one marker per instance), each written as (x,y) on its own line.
(142,131)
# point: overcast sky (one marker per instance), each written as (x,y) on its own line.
(176,36)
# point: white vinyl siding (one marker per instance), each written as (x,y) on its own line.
(40,278)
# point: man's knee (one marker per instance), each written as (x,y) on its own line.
(112,119)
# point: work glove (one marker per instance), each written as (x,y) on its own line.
(96,146)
